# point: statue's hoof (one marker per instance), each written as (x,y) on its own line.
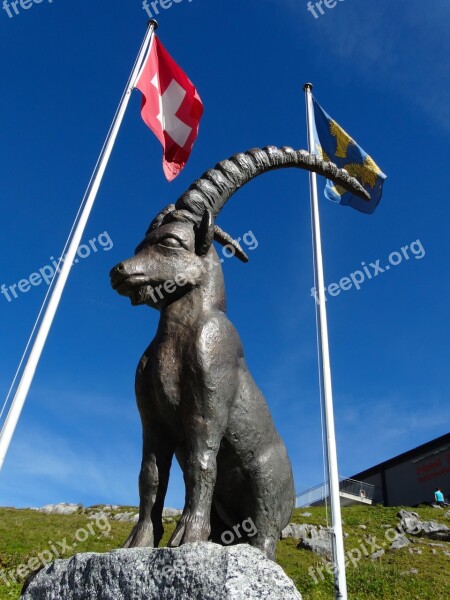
(189,531)
(141,536)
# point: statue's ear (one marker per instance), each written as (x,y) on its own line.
(204,234)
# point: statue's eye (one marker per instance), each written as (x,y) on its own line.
(170,242)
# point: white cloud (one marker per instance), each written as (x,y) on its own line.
(372,430)
(44,467)
(78,447)
(401,47)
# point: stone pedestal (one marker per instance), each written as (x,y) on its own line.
(203,571)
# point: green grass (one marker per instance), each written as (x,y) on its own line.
(24,534)
(387,578)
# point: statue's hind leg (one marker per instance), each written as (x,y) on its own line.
(261,529)
(265,540)
(274,498)
(218,527)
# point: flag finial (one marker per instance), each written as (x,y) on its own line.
(153,22)
(308,86)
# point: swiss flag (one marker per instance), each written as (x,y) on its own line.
(171,107)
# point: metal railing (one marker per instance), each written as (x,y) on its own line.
(351,487)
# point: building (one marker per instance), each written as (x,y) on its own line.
(411,478)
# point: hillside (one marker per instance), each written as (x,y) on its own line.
(418,571)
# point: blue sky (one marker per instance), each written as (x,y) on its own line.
(381,71)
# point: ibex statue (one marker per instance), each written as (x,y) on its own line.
(196,396)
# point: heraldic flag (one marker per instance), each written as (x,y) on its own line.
(333,144)
(171,107)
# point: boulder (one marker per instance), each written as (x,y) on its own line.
(313,538)
(401,541)
(172,512)
(320,546)
(407,513)
(318,541)
(203,571)
(410,523)
(298,531)
(60,509)
(128,517)
(98,515)
(435,531)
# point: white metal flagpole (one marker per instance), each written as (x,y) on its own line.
(26,380)
(337,537)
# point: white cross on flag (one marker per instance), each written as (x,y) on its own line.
(171,107)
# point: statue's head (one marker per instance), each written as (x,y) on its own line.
(177,253)
(165,267)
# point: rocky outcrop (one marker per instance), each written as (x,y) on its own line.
(172,512)
(60,509)
(298,531)
(320,543)
(110,511)
(314,538)
(410,523)
(203,571)
(401,541)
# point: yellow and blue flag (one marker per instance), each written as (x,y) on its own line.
(333,144)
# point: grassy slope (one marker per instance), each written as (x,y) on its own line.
(387,578)
(24,533)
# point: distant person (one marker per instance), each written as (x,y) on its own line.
(439,497)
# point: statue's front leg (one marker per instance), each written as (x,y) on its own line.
(200,471)
(153,480)
(206,400)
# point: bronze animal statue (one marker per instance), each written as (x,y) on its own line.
(196,396)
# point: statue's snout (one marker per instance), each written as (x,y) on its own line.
(126,273)
(118,274)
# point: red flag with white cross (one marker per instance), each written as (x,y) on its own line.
(171,107)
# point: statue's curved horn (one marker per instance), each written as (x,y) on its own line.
(157,221)
(224,239)
(216,186)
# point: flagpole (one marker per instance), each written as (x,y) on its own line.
(90,195)
(337,537)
